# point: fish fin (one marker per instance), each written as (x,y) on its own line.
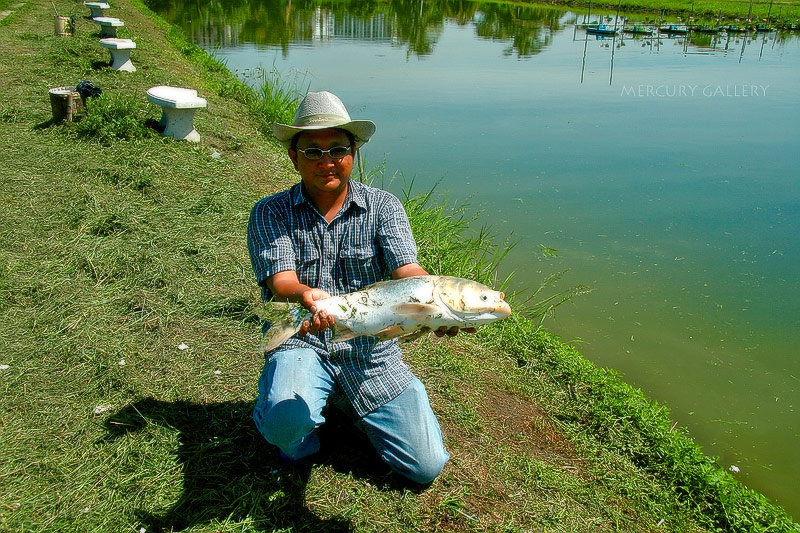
(343,333)
(415,335)
(416,310)
(391,332)
(288,322)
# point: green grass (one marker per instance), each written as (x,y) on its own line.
(9,5)
(114,117)
(276,95)
(117,246)
(701,11)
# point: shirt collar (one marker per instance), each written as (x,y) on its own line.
(298,196)
(355,195)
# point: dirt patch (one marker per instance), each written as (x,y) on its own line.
(526,427)
(477,490)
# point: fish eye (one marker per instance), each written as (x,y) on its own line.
(484,297)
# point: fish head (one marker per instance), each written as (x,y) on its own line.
(471,301)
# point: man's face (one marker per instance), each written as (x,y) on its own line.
(326,174)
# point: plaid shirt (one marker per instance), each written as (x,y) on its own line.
(368,239)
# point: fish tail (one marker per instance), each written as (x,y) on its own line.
(288,321)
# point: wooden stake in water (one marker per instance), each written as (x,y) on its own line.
(614,44)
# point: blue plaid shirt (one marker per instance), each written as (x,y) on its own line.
(368,239)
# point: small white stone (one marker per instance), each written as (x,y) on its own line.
(218,372)
(4,367)
(733,468)
(85,509)
(121,362)
(100,409)
(182,346)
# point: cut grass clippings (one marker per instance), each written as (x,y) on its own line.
(128,360)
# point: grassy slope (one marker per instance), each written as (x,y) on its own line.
(778,12)
(115,251)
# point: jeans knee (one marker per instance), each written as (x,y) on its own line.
(426,469)
(285,423)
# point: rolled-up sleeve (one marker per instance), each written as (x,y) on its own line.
(269,243)
(394,234)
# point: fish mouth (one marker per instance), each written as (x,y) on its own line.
(502,309)
(499,312)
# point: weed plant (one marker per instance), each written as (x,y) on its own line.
(447,243)
(452,241)
(113,117)
(277,96)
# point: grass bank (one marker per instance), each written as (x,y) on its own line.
(128,340)
(775,12)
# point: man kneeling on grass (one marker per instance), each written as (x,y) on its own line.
(326,236)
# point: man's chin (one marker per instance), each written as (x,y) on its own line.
(331,183)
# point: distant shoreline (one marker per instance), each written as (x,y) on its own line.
(780,14)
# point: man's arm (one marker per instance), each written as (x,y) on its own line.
(286,287)
(408,270)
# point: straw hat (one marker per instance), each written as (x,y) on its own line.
(319,111)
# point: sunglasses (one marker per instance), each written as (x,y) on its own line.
(336,153)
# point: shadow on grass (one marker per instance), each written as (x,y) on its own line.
(46,124)
(231,473)
(154,124)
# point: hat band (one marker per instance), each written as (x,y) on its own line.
(321,120)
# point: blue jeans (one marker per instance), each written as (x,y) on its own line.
(294,388)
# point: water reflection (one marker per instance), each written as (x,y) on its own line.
(418,25)
(528,30)
(691,42)
(415,24)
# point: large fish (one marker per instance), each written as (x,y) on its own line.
(406,308)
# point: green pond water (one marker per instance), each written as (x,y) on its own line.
(664,171)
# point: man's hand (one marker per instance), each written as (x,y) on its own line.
(286,287)
(320,321)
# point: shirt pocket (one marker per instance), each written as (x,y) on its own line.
(359,267)
(307,265)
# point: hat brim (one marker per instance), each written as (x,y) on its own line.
(362,130)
